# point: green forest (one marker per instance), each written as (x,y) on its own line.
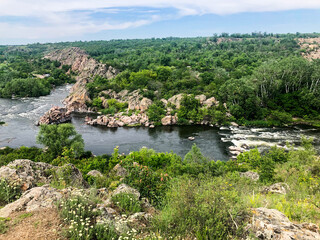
(263,78)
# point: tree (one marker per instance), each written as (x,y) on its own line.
(56,137)
(194,156)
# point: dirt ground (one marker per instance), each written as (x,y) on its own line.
(39,225)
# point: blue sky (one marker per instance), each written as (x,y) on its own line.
(29,21)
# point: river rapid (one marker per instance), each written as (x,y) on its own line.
(21,115)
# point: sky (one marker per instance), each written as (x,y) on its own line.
(31,21)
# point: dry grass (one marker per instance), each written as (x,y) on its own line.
(39,225)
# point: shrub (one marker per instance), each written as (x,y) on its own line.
(32,153)
(127,203)
(152,159)
(189,110)
(252,158)
(277,154)
(151,184)
(266,169)
(4,225)
(8,192)
(283,117)
(202,209)
(156,111)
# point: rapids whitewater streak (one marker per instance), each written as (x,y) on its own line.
(21,115)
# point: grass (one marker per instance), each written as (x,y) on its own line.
(127,203)
(4,225)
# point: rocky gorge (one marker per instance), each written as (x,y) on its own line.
(86,68)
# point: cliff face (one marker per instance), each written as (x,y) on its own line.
(86,68)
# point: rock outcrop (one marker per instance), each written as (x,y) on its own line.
(29,174)
(280,188)
(169,120)
(124,188)
(79,96)
(251,175)
(176,100)
(71,175)
(311,47)
(270,224)
(120,171)
(33,199)
(135,99)
(55,115)
(119,120)
(95,173)
(26,173)
(81,63)
(86,68)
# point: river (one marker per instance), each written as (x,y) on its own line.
(21,115)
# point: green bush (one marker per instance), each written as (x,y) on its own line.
(278,155)
(283,117)
(32,153)
(252,158)
(4,225)
(8,192)
(127,203)
(202,209)
(189,110)
(151,184)
(156,111)
(266,169)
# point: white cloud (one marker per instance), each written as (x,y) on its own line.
(61,18)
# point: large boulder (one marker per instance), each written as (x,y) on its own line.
(202,98)
(33,199)
(280,188)
(55,115)
(26,173)
(251,175)
(176,100)
(145,104)
(71,175)
(270,224)
(211,102)
(95,173)
(120,171)
(124,188)
(169,120)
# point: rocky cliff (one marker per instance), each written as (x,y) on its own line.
(86,68)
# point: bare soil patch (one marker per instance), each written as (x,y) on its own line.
(39,225)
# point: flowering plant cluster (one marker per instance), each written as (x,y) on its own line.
(9,192)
